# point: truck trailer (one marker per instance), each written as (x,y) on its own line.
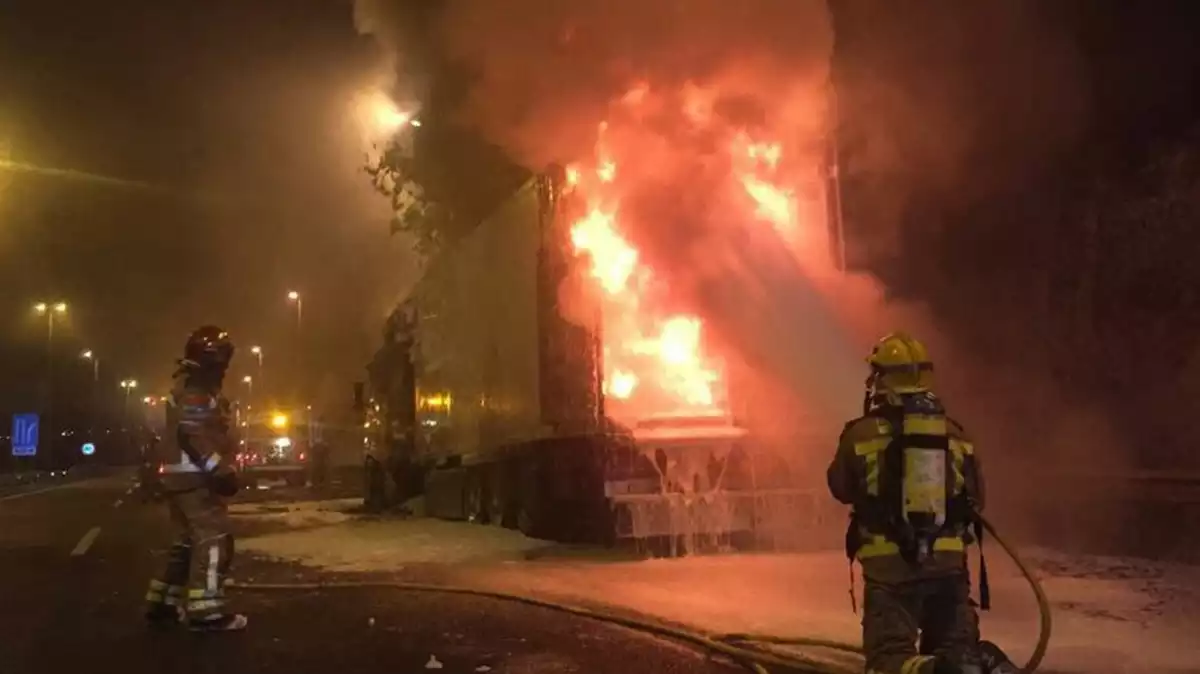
(497,396)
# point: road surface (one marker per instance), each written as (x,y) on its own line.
(74,562)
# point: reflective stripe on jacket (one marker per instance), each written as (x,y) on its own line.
(856,472)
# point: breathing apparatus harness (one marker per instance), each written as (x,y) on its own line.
(917,502)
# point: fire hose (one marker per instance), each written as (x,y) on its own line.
(751,651)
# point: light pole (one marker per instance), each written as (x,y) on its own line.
(249,382)
(294,298)
(258,353)
(90,355)
(128,385)
(297,359)
(50,310)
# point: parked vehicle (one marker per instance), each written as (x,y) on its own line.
(275,445)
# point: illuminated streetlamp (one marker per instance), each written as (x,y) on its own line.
(50,310)
(381,114)
(249,382)
(128,385)
(90,355)
(258,353)
(294,297)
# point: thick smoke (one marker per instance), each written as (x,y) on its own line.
(936,105)
(675,83)
(548,71)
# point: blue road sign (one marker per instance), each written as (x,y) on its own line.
(25,434)
(88,449)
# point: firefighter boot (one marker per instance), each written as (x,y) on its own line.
(165,596)
(995,661)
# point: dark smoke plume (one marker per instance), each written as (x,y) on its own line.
(939,103)
(548,70)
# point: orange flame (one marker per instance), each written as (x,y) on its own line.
(655,361)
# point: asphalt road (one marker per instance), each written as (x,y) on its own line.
(74,562)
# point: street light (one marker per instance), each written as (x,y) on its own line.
(258,353)
(249,382)
(50,310)
(88,354)
(297,376)
(294,298)
(128,385)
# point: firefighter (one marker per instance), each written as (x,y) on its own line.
(913,479)
(198,476)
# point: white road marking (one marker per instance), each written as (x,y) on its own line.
(85,543)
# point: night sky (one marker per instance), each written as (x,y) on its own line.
(237,117)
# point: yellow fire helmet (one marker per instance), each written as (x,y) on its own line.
(900,364)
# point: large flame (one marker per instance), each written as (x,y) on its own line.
(657,359)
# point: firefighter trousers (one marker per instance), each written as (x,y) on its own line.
(199,559)
(936,612)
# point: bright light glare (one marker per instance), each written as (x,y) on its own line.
(279,421)
(40,307)
(379,116)
(247,379)
(385,115)
(86,355)
(293,295)
(129,383)
(256,350)
(283,443)
(60,307)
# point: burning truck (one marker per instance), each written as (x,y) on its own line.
(544,374)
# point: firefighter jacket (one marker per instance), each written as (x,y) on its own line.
(874,471)
(199,416)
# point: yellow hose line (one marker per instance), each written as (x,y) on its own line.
(729,645)
(754,660)
(1044,615)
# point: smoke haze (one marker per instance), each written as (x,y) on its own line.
(938,110)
